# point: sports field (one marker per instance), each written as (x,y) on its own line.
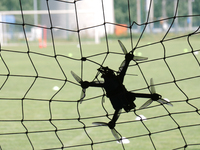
(39,106)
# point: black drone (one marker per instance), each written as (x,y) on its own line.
(119,97)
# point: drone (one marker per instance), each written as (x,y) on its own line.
(117,93)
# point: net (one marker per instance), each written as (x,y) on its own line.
(40,100)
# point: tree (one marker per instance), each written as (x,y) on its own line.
(6,5)
(122,8)
(196,11)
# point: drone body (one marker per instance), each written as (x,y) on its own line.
(113,85)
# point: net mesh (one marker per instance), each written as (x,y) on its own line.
(39,98)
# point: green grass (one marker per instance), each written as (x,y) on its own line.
(25,113)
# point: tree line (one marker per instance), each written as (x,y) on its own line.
(122,8)
(9,5)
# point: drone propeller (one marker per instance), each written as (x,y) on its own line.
(153,91)
(136,58)
(122,66)
(76,77)
(82,95)
(111,124)
(123,47)
(79,80)
(100,123)
(114,132)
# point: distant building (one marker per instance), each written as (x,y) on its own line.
(85,16)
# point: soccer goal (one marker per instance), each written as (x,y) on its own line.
(87,84)
(64,19)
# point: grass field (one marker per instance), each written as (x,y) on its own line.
(32,112)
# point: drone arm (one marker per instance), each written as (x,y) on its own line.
(125,67)
(153,96)
(115,117)
(95,84)
(86,84)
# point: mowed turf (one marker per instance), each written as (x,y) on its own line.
(35,115)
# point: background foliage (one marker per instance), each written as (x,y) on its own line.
(120,8)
